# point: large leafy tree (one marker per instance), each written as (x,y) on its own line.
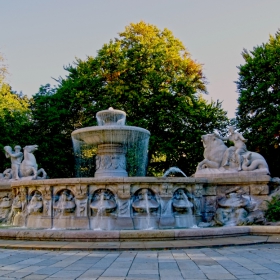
(258,113)
(149,74)
(14,116)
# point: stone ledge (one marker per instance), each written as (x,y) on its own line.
(122,235)
(109,180)
(264,230)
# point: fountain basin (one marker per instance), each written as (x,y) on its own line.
(123,189)
(95,135)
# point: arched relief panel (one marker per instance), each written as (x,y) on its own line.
(143,199)
(57,189)
(64,202)
(103,201)
(6,201)
(154,187)
(35,202)
(95,187)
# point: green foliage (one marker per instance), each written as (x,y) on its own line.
(14,117)
(51,130)
(272,213)
(149,74)
(258,114)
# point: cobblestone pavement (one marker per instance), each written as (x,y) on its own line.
(261,261)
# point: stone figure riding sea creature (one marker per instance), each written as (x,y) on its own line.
(27,167)
(219,158)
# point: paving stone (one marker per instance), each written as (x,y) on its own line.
(222,276)
(3,272)
(115,272)
(247,262)
(17,275)
(111,278)
(35,277)
(141,271)
(142,277)
(193,274)
(250,277)
(48,270)
(270,276)
(69,274)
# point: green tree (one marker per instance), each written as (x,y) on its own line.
(149,74)
(14,116)
(51,130)
(258,113)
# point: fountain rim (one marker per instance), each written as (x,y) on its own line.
(110,127)
(82,133)
(110,111)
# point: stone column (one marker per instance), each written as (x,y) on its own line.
(111,161)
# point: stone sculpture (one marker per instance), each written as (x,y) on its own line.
(65,204)
(181,203)
(29,166)
(237,209)
(231,210)
(103,201)
(36,203)
(145,202)
(239,146)
(16,158)
(6,175)
(22,169)
(5,206)
(218,158)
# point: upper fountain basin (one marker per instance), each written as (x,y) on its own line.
(95,135)
(111,117)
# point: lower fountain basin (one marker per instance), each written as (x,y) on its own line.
(81,191)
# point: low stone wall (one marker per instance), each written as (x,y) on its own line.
(122,235)
(69,203)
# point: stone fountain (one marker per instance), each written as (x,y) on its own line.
(113,140)
(229,188)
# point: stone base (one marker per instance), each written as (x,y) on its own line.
(185,221)
(102,223)
(19,220)
(124,223)
(167,222)
(110,223)
(145,222)
(38,221)
(70,222)
(225,173)
(110,173)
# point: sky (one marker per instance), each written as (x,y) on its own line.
(39,38)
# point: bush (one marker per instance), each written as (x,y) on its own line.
(273,209)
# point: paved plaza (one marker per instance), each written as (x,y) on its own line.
(260,261)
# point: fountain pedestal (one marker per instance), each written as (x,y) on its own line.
(111,161)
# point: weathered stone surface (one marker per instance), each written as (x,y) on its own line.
(259,189)
(146,235)
(209,190)
(224,190)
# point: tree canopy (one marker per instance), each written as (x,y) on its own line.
(14,115)
(150,75)
(258,113)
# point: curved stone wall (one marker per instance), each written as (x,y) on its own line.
(133,202)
